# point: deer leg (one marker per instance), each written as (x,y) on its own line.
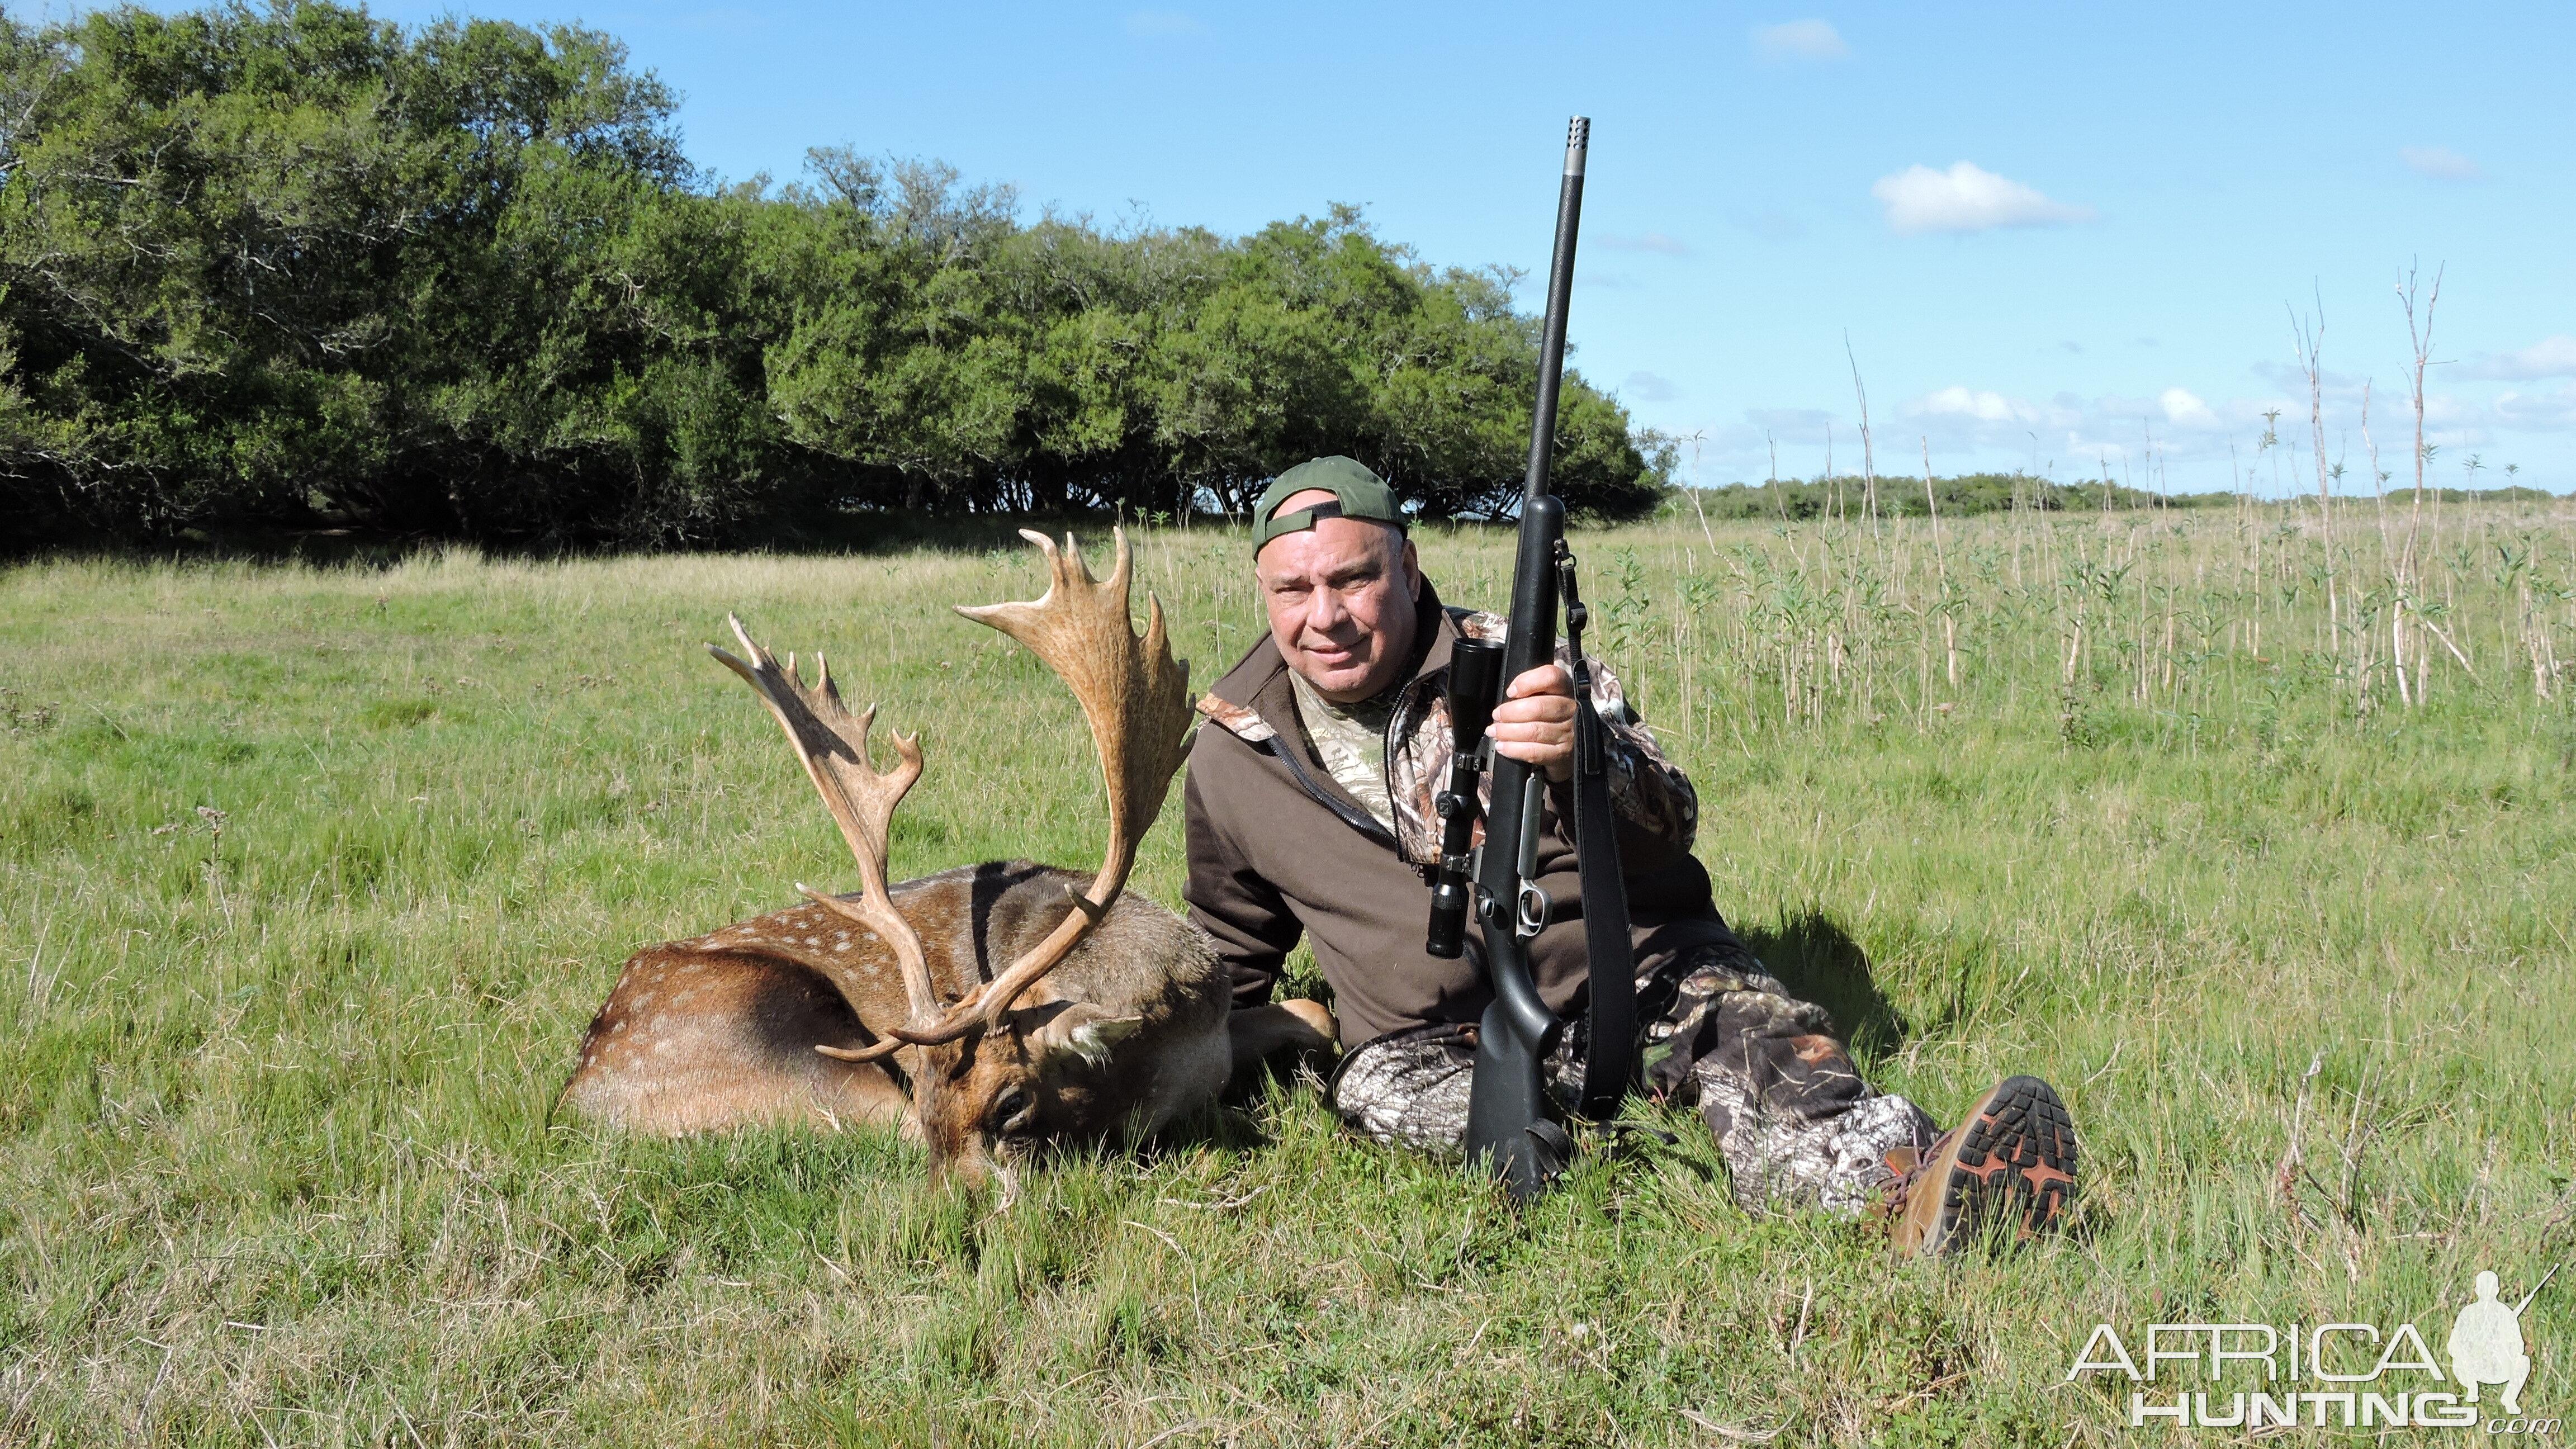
(1261,1032)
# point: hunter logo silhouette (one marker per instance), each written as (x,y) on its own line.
(2486,1342)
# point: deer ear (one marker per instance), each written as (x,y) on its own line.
(1084,1031)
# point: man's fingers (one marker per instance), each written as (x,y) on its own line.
(1549,747)
(1536,743)
(1535,722)
(1539,709)
(1546,679)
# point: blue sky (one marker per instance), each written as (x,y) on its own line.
(2051,233)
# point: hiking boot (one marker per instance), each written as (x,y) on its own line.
(2013,1152)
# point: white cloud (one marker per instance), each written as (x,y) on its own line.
(1653,241)
(1799,40)
(1985,407)
(1162,22)
(1647,387)
(2183,408)
(2549,357)
(2198,440)
(2549,412)
(2441,163)
(2068,426)
(1966,198)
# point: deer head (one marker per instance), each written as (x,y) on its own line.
(1008,1062)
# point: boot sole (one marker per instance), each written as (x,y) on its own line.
(2017,1156)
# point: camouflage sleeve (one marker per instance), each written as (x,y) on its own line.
(1657,808)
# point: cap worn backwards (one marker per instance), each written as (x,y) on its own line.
(1358,492)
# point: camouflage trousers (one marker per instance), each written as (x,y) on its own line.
(1791,1115)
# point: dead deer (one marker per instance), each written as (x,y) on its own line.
(989,1008)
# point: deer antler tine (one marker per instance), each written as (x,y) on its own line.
(833,744)
(835,905)
(1136,699)
(874,1052)
(748,671)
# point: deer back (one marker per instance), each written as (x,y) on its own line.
(973,921)
(705,1033)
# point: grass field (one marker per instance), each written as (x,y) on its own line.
(311,877)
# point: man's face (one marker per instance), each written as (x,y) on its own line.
(1340,597)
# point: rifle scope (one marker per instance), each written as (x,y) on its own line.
(1475,681)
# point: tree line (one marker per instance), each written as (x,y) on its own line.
(1896,496)
(296,267)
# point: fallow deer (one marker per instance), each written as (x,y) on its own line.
(988,1008)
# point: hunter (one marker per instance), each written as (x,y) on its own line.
(1310,814)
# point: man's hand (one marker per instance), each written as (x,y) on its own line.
(1535,722)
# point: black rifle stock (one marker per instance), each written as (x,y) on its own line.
(1511,1130)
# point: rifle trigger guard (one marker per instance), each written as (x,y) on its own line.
(1534,908)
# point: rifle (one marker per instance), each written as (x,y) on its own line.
(1511,1127)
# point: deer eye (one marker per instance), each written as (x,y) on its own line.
(1013,1109)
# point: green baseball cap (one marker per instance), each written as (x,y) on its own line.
(1362,494)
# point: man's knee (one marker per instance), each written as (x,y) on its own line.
(1407,1090)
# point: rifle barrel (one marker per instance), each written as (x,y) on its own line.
(1560,291)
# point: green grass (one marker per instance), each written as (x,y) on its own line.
(310,879)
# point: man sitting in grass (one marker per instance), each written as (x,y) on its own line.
(1310,814)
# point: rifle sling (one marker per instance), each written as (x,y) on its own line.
(1610,1063)
(1610,1058)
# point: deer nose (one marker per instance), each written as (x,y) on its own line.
(970,1167)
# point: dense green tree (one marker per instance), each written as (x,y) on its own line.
(295,266)
(288,263)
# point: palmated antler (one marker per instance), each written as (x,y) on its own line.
(834,746)
(1138,702)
